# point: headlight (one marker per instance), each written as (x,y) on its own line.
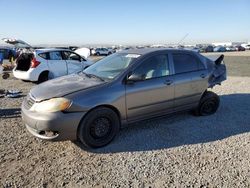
(52,105)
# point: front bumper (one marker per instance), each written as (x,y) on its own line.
(63,125)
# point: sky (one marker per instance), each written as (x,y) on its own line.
(127,22)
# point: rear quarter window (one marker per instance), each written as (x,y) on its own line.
(186,63)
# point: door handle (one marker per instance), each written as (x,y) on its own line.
(168,82)
(202,75)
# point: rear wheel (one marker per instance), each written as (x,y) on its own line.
(98,54)
(44,76)
(99,127)
(208,105)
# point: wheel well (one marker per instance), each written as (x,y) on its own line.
(43,72)
(104,105)
(203,93)
(110,107)
(46,71)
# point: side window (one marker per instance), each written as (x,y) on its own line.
(44,55)
(185,63)
(154,67)
(55,56)
(71,56)
(65,55)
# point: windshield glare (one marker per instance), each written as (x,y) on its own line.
(111,66)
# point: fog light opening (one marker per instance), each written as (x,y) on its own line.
(48,133)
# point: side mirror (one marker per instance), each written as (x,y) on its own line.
(134,78)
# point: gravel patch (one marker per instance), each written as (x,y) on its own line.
(175,151)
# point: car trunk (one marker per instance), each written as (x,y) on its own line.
(218,70)
(24,61)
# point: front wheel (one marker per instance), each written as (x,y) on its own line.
(99,127)
(208,105)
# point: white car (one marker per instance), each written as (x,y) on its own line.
(102,51)
(246,46)
(43,64)
(231,48)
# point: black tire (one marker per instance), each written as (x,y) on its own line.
(99,127)
(5,76)
(44,76)
(98,54)
(208,105)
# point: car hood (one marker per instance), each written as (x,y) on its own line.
(84,52)
(62,86)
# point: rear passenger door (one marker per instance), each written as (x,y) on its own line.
(74,62)
(190,79)
(57,66)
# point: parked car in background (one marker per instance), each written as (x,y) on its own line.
(220,49)
(112,50)
(123,88)
(44,64)
(101,51)
(209,48)
(196,49)
(7,52)
(240,48)
(246,46)
(231,48)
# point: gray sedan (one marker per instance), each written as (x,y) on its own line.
(91,106)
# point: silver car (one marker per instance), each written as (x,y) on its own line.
(132,85)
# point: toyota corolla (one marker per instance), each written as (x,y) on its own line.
(92,105)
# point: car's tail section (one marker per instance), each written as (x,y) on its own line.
(219,71)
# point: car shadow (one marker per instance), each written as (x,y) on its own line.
(10,113)
(232,118)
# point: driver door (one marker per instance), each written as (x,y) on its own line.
(74,62)
(154,94)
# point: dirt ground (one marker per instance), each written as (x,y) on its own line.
(176,151)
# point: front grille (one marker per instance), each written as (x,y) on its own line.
(28,102)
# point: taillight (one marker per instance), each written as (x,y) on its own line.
(34,63)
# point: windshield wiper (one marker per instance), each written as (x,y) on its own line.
(94,76)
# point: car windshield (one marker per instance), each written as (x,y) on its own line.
(111,66)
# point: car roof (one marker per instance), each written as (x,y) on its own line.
(51,49)
(144,51)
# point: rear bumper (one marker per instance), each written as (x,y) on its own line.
(31,74)
(63,125)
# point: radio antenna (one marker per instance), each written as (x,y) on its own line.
(183,38)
